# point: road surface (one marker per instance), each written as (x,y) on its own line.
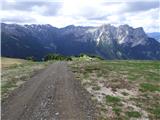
(52,94)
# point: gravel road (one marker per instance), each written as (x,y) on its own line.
(52,94)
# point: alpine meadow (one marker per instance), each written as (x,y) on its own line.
(80,60)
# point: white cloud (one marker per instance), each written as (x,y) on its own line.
(148,19)
(59,13)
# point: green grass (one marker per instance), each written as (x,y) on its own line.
(135,69)
(133,114)
(7,86)
(117,111)
(112,99)
(90,69)
(149,87)
(156,112)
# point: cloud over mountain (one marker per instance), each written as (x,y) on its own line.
(61,13)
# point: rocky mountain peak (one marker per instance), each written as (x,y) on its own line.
(124,34)
(128,35)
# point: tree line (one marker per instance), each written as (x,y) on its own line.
(54,56)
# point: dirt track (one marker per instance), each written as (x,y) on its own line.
(52,94)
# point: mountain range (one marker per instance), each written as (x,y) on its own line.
(107,41)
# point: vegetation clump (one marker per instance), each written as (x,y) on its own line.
(31,58)
(57,57)
(112,99)
(134,114)
(96,87)
(90,56)
(149,87)
(156,111)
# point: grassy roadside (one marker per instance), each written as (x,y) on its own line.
(7,62)
(15,72)
(124,90)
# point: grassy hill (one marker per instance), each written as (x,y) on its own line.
(122,89)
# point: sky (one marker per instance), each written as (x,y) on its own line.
(60,13)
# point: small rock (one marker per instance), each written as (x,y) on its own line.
(57,113)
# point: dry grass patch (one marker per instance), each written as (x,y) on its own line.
(13,75)
(8,62)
